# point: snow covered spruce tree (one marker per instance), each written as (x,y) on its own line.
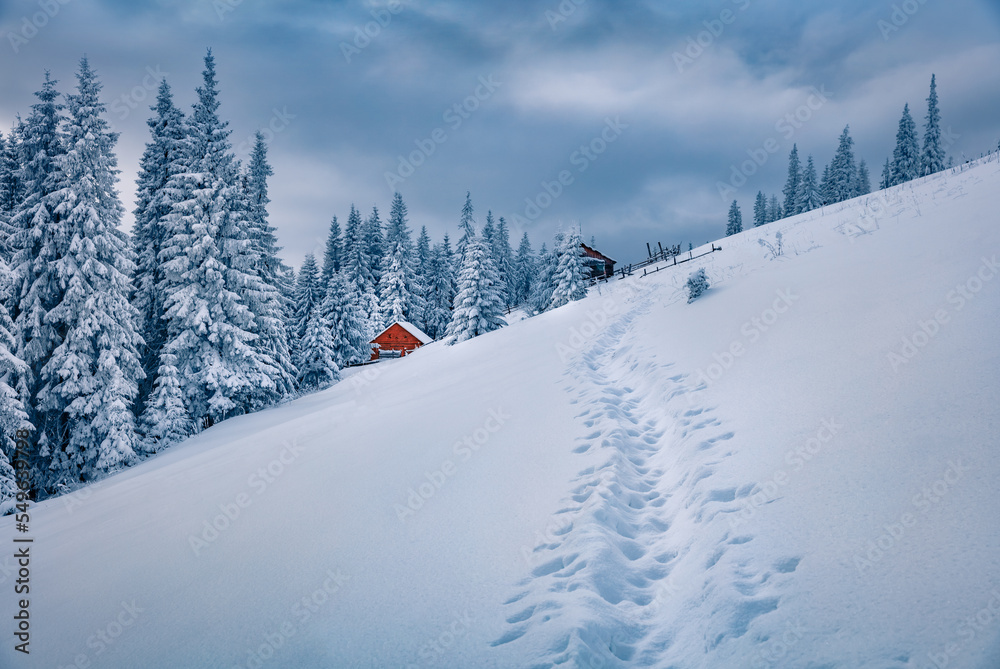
(541,290)
(316,365)
(210,272)
(503,255)
(792,183)
(308,296)
(863,182)
(333,254)
(10,189)
(394,291)
(569,282)
(489,231)
(374,240)
(906,155)
(774,211)
(735,224)
(357,266)
(697,284)
(826,187)
(440,290)
(932,156)
(760,210)
(524,270)
(88,385)
(478,306)
(164,419)
(13,375)
(154,201)
(424,269)
(497,238)
(348,330)
(809,197)
(264,297)
(38,242)
(399,298)
(886,180)
(467,226)
(843,170)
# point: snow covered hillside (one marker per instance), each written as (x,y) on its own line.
(798,469)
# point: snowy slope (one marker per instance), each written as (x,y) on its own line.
(751,480)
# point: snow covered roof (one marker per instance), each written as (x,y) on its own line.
(412,329)
(594,253)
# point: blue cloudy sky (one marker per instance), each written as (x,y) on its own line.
(618,99)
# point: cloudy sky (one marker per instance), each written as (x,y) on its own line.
(641,108)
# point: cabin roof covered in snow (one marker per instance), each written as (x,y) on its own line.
(421,336)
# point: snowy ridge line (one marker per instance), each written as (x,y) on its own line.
(866,211)
(606,590)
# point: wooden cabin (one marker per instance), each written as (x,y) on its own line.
(599,264)
(397,340)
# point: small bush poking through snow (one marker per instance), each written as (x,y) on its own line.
(696,285)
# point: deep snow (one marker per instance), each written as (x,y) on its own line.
(798,469)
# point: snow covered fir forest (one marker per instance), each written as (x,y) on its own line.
(117,345)
(661,344)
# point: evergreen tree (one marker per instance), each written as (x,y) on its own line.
(570,279)
(697,284)
(265,298)
(348,330)
(422,277)
(843,170)
(154,202)
(467,227)
(774,212)
(809,193)
(478,306)
(10,190)
(209,273)
(760,210)
(308,296)
(490,230)
(398,297)
(89,383)
(165,419)
(792,183)
(735,224)
(394,298)
(332,256)
(39,241)
(5,211)
(541,290)
(503,255)
(863,182)
(906,155)
(357,266)
(375,246)
(524,270)
(316,365)
(886,181)
(440,290)
(13,374)
(932,156)
(826,190)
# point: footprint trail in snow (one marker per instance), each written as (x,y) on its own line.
(625,576)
